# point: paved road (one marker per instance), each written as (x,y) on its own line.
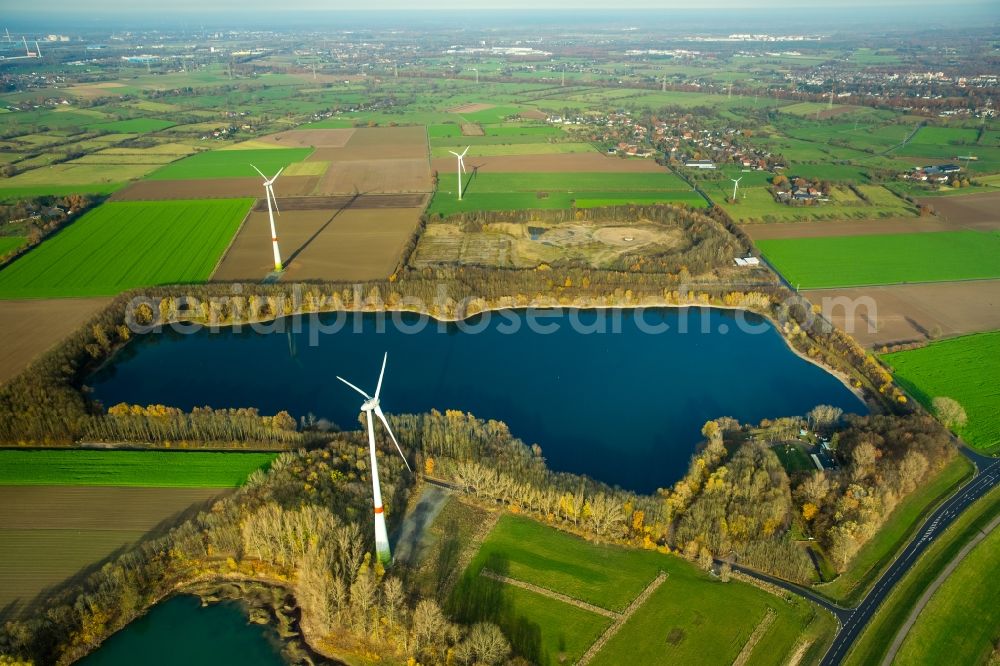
(854,620)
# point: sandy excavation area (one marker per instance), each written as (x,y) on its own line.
(332,244)
(32,327)
(910,312)
(558,163)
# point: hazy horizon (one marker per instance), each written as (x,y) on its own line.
(708,16)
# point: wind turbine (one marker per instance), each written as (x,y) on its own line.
(269,195)
(370,406)
(736,184)
(461,168)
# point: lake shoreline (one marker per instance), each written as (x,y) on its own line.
(646,304)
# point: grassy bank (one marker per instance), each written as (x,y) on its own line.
(871,646)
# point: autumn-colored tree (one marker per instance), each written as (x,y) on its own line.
(809,510)
(949,412)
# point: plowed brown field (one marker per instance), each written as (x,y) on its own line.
(971,211)
(218,188)
(334,244)
(51,533)
(906,313)
(376,177)
(31,327)
(317,138)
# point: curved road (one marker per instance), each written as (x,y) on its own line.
(853,620)
(983,482)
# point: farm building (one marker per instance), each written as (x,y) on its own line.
(700,164)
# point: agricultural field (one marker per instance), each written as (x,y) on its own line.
(33,326)
(911,312)
(230,164)
(756,205)
(845,261)
(343,240)
(79,174)
(873,644)
(553,581)
(942,632)
(972,211)
(135,125)
(155,469)
(51,533)
(966,369)
(122,245)
(514,191)
(11,243)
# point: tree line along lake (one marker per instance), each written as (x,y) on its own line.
(619,395)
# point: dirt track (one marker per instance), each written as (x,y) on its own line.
(333,244)
(32,327)
(905,313)
(218,188)
(566,162)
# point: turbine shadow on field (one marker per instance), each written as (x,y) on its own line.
(319,231)
(478,598)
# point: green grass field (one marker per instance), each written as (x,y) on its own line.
(123,245)
(845,261)
(85,467)
(521,191)
(966,369)
(136,125)
(230,164)
(943,632)
(705,620)
(872,644)
(10,243)
(14,193)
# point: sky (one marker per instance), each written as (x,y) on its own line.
(140,6)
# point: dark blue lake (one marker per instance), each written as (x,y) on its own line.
(182,632)
(625,405)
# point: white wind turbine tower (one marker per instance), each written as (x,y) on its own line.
(269,195)
(460,168)
(736,184)
(369,407)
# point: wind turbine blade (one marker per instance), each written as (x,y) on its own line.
(461,163)
(277,174)
(367,397)
(385,422)
(274,199)
(378,388)
(260,172)
(464,152)
(455,154)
